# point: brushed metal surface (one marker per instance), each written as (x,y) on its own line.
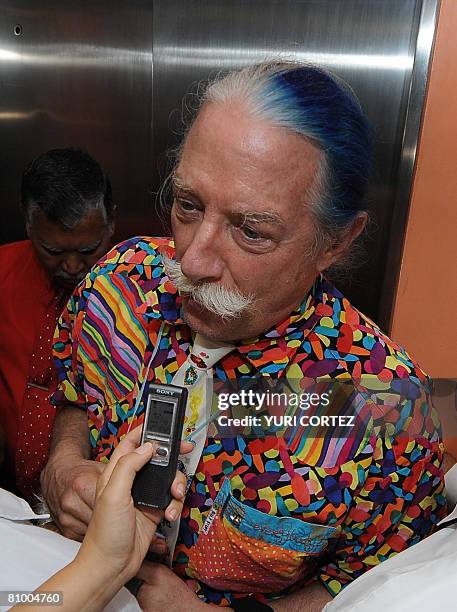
(423,47)
(78,75)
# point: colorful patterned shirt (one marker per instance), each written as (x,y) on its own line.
(265,514)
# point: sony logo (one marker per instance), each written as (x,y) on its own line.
(164,392)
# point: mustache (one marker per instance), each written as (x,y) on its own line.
(69,278)
(226,303)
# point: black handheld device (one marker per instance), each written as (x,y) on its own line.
(165,407)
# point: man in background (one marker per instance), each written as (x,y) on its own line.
(69,214)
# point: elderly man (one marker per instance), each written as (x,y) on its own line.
(268,193)
(68,209)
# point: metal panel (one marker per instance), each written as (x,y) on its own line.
(415,104)
(78,75)
(370,43)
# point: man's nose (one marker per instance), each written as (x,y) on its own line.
(73,264)
(201,261)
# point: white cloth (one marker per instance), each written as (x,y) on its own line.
(451,486)
(419,579)
(30,555)
(196,374)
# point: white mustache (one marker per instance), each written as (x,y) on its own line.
(226,303)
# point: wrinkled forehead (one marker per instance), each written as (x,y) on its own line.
(228,150)
(91,230)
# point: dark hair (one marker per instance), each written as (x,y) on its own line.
(65,184)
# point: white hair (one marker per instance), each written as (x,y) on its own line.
(226,303)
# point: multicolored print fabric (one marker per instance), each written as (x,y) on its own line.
(245,550)
(265,513)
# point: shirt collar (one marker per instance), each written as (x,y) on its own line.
(272,351)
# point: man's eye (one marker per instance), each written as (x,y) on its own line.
(88,251)
(52,252)
(185,205)
(249,233)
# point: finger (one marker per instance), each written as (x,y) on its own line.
(178,491)
(85,493)
(126,445)
(148,571)
(158,547)
(82,513)
(73,535)
(131,440)
(120,483)
(71,528)
(178,486)
(173,510)
(186,447)
(74,508)
(88,496)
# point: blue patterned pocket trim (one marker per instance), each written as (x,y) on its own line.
(283,531)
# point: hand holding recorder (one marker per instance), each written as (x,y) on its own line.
(119,534)
(165,407)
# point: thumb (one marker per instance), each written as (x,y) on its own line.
(120,483)
(127,445)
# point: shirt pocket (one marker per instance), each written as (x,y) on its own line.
(243,550)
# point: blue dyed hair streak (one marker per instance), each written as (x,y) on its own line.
(321,107)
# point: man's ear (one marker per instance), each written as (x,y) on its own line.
(112,224)
(28,223)
(27,212)
(335,251)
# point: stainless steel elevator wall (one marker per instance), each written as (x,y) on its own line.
(78,75)
(110,76)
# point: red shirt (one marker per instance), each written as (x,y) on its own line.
(29,308)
